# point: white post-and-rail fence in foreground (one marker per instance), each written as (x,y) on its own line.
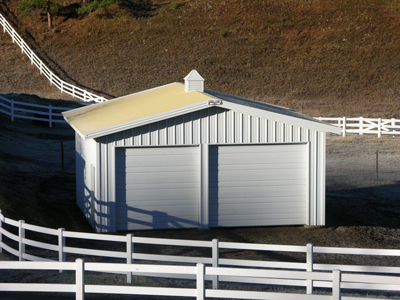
(307,275)
(22,110)
(63,86)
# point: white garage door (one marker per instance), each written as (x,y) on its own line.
(258,185)
(157,187)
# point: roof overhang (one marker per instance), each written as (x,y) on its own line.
(170,101)
(145,121)
(135,110)
(311,124)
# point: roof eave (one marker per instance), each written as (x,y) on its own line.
(317,125)
(72,125)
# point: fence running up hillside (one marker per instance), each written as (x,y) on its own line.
(22,110)
(306,275)
(63,86)
(365,125)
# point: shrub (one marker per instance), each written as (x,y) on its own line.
(93,6)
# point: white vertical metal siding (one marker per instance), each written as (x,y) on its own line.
(215,126)
(157,187)
(85,155)
(257,185)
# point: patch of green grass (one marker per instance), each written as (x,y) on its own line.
(93,6)
(173,4)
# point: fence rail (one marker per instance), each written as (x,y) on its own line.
(365,125)
(22,110)
(332,280)
(303,275)
(63,86)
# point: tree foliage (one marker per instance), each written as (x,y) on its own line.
(51,8)
(93,6)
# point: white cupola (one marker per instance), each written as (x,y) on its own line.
(194,82)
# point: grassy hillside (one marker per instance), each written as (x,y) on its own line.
(320,57)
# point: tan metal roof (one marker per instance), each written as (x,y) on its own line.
(133,107)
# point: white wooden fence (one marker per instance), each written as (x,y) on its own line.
(365,125)
(63,86)
(308,274)
(22,110)
(52,114)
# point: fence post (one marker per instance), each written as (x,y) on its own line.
(361,126)
(393,124)
(215,262)
(379,127)
(61,245)
(21,235)
(129,260)
(309,261)
(336,279)
(12,110)
(80,279)
(50,116)
(344,126)
(1,235)
(200,282)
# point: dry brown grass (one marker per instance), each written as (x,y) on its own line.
(321,57)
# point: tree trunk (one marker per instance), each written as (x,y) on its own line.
(49,21)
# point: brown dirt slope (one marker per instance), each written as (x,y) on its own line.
(321,57)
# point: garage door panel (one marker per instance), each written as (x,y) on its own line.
(157,187)
(157,169)
(230,211)
(271,202)
(167,178)
(155,162)
(153,151)
(257,185)
(267,221)
(153,204)
(257,181)
(259,166)
(133,224)
(262,216)
(223,177)
(272,148)
(261,158)
(160,195)
(248,193)
(159,212)
(160,220)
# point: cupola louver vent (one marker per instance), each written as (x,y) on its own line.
(194,82)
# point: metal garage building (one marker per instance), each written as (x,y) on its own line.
(179,156)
